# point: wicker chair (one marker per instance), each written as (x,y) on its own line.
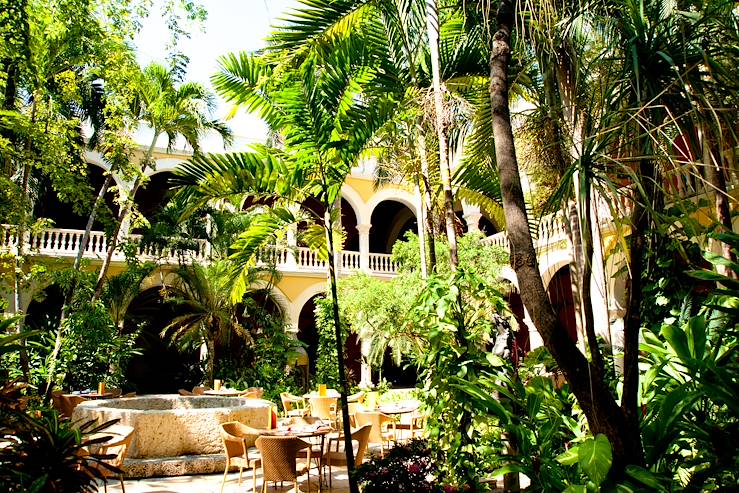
(358,397)
(279,459)
(238,440)
(337,457)
(185,392)
(65,404)
(117,446)
(324,408)
(293,405)
(200,390)
(416,426)
(383,427)
(116,392)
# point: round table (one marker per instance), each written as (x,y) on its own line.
(92,395)
(223,392)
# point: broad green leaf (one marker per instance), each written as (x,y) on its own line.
(595,457)
(568,457)
(678,342)
(576,488)
(645,477)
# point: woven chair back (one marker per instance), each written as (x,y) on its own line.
(279,457)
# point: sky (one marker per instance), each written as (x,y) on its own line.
(232,26)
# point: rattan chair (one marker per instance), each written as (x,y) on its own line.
(117,446)
(279,461)
(293,405)
(337,457)
(416,426)
(200,389)
(358,397)
(185,392)
(383,427)
(238,440)
(65,404)
(324,408)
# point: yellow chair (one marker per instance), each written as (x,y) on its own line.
(279,459)
(238,440)
(324,408)
(383,427)
(293,405)
(117,446)
(337,457)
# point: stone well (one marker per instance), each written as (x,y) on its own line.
(174,425)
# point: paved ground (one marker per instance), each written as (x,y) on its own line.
(211,483)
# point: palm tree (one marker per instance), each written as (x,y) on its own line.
(326,113)
(204,295)
(171,109)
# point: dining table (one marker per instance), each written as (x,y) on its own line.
(223,392)
(91,395)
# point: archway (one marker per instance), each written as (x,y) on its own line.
(45,309)
(349,225)
(161,367)
(153,197)
(66,216)
(559,290)
(390,220)
(308,335)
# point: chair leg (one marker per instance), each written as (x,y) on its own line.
(123,487)
(254,480)
(225,473)
(241,472)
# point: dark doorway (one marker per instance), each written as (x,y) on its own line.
(390,222)
(161,367)
(560,294)
(307,332)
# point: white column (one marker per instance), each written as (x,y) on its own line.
(365,380)
(535,339)
(472,216)
(364,246)
(292,245)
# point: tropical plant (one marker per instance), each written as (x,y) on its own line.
(168,107)
(326,114)
(209,314)
(410,468)
(50,453)
(461,316)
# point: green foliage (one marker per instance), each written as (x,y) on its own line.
(265,361)
(475,256)
(409,468)
(327,371)
(46,453)
(378,312)
(461,317)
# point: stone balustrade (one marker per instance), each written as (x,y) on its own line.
(64,243)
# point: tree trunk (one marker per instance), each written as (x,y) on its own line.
(122,216)
(428,201)
(353,487)
(632,319)
(70,292)
(717,182)
(432,23)
(421,228)
(593,395)
(211,364)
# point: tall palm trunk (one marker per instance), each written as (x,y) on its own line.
(428,202)
(70,291)
(567,84)
(19,255)
(122,217)
(593,395)
(717,182)
(432,24)
(353,487)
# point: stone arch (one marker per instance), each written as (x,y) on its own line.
(97,159)
(551,263)
(297,305)
(278,297)
(164,164)
(405,197)
(508,274)
(361,210)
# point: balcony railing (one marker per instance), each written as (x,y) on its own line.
(64,243)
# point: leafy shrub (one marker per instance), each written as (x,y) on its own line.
(408,468)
